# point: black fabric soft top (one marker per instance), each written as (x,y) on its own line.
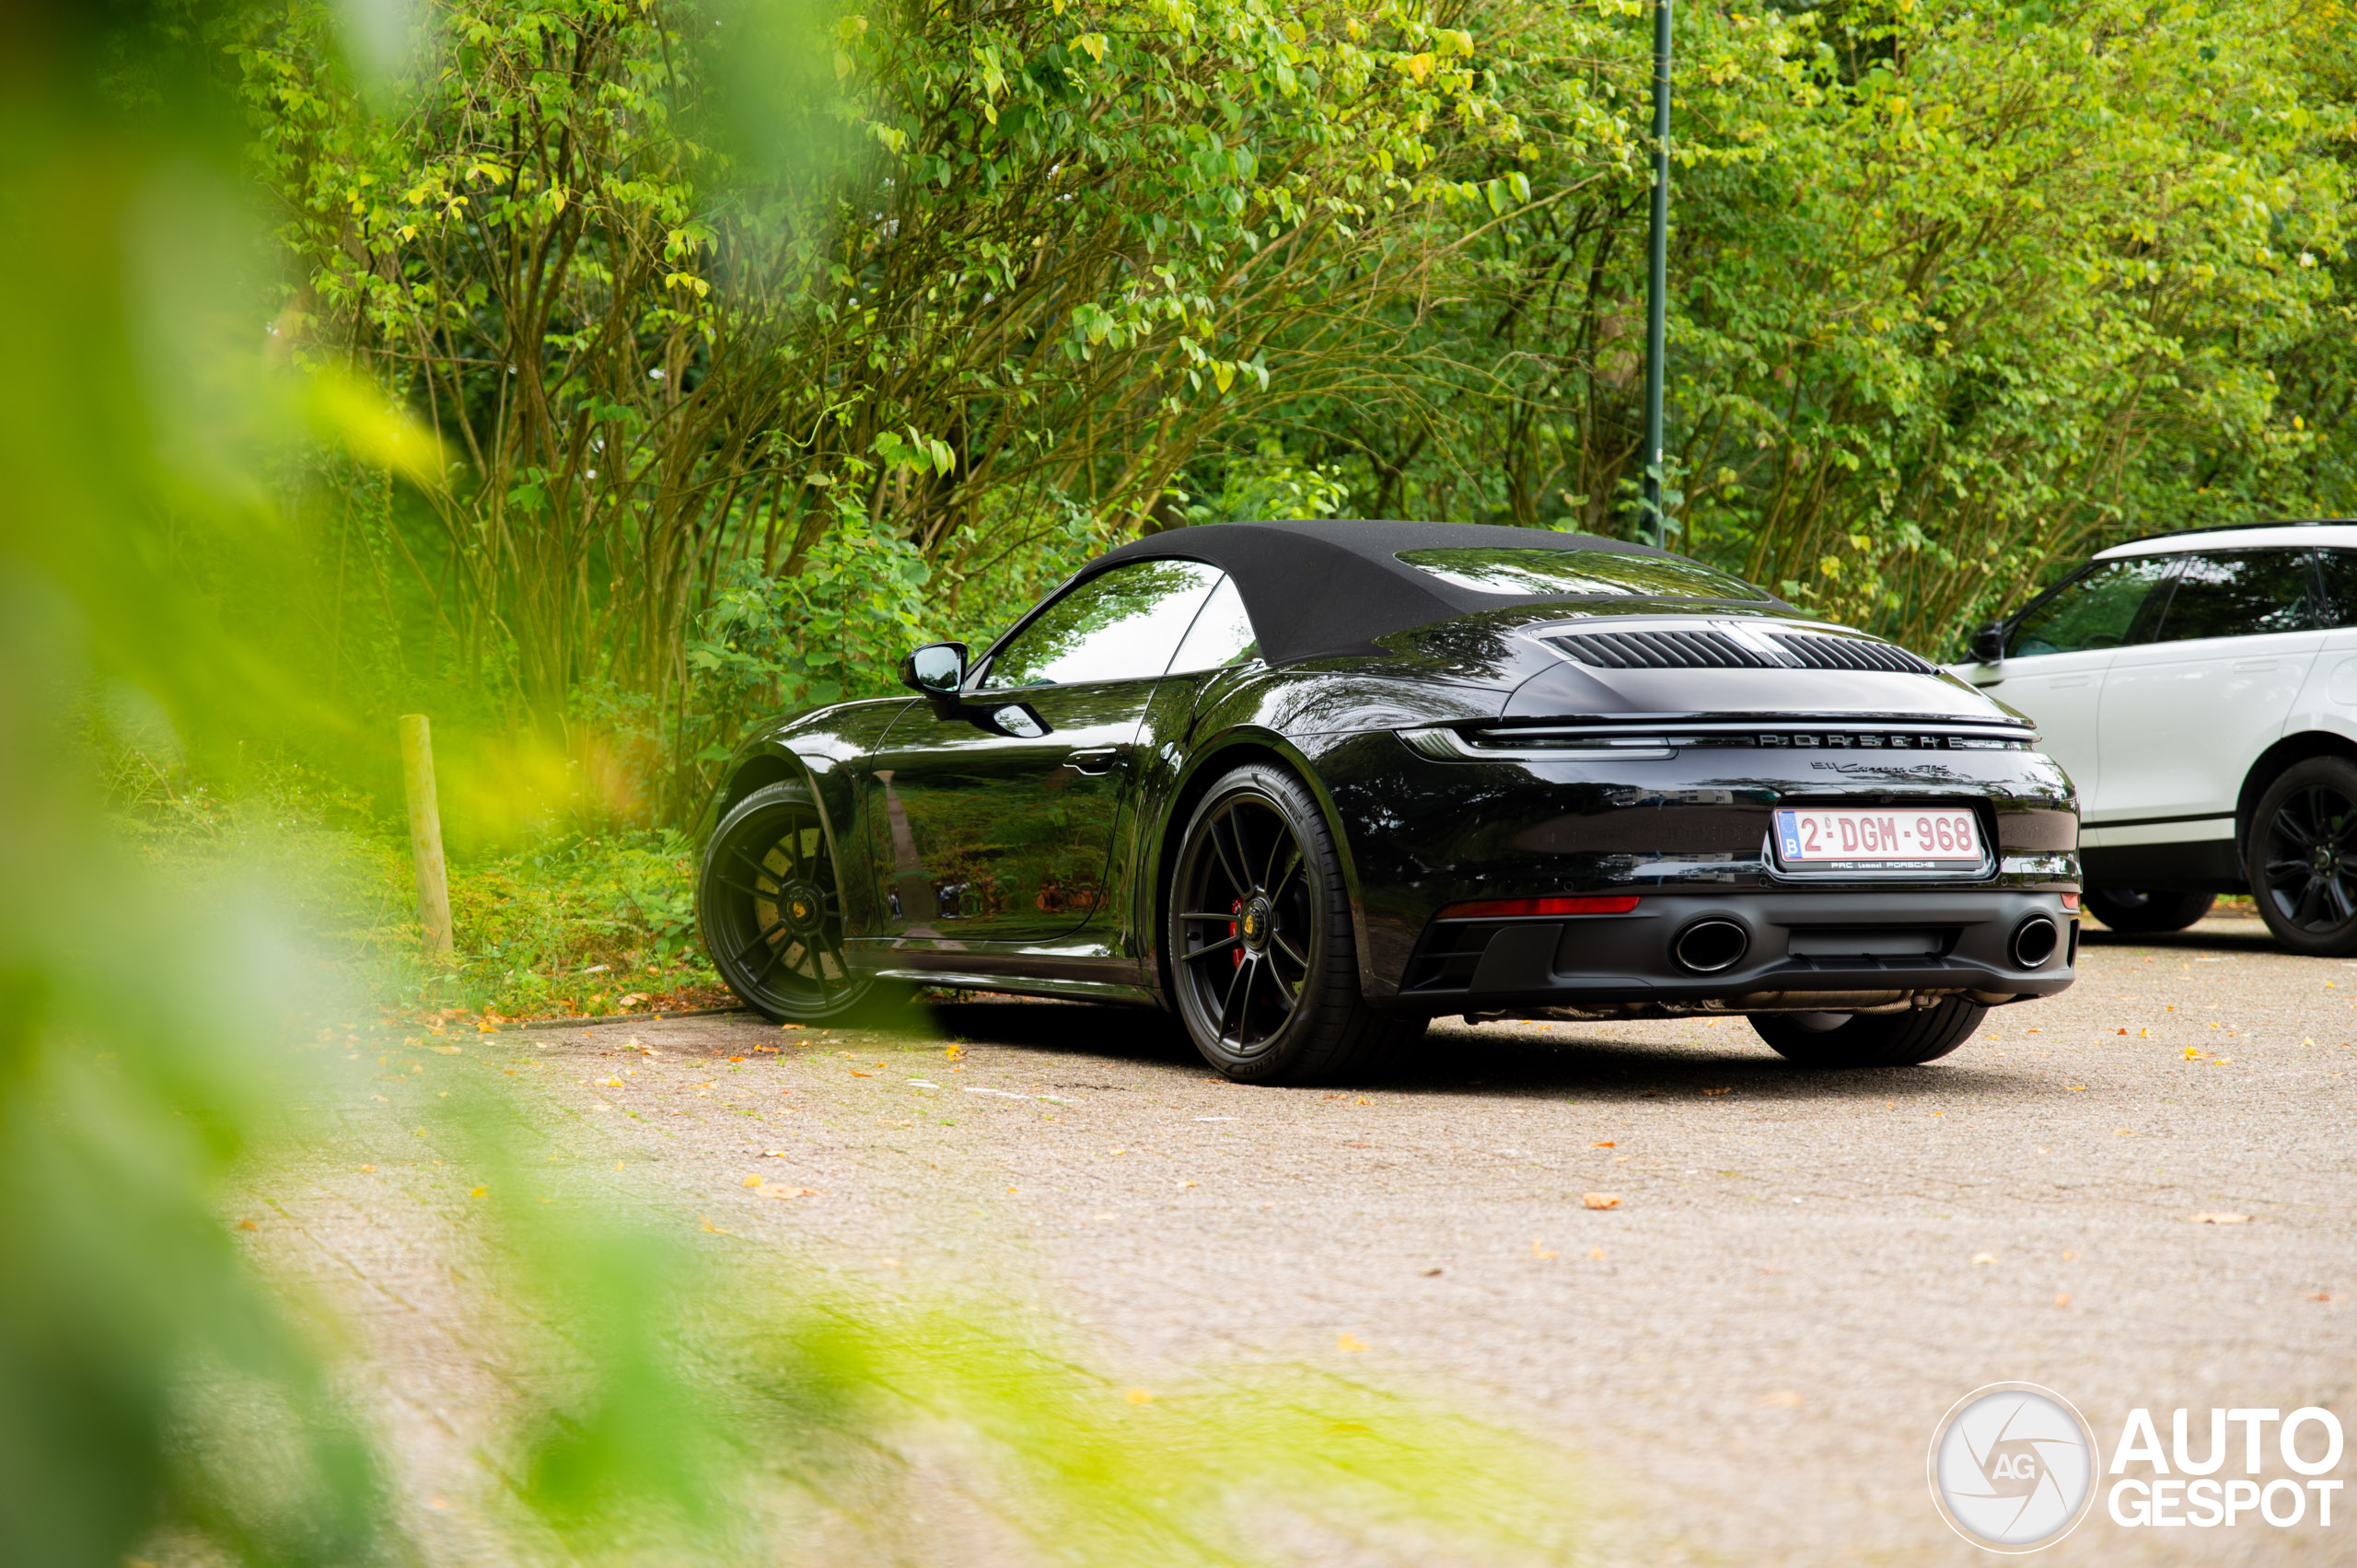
(1317,589)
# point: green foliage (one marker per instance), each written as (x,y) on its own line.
(1958,293)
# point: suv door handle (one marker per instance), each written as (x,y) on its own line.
(1095,758)
(2253,665)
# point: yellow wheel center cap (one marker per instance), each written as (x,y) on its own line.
(801,910)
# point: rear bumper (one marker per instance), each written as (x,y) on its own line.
(1841,950)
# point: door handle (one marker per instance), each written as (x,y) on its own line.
(1094,758)
(2061,682)
(2254,665)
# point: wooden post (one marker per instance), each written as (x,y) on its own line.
(426,834)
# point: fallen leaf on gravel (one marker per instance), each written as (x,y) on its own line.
(2320,1295)
(792,1192)
(2123,1032)
(608,1083)
(1350,1342)
(1432,1274)
(736,1059)
(453,1051)
(1607,1144)
(2123,1132)
(712,1227)
(2221,1219)
(1596,1254)
(1728,1090)
(479,1192)
(2062,1298)
(2193,1053)
(249,1225)
(954,1051)
(2074,1089)
(753,1182)
(1139,1397)
(1539,1252)
(857,1073)
(1984,1257)
(1599,1199)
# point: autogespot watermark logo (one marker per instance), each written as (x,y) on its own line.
(2013,1467)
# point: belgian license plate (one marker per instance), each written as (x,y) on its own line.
(1890,840)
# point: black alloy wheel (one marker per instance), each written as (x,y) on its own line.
(1260,957)
(1871,1040)
(2303,857)
(770,907)
(2140,911)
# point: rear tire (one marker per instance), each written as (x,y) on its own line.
(2303,857)
(2138,912)
(1870,1039)
(1263,965)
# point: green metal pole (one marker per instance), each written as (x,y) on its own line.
(1657,278)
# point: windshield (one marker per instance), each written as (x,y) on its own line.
(1566,573)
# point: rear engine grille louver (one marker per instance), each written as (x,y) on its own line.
(1846,653)
(1662,650)
(1716,650)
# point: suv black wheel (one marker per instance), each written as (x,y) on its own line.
(1262,961)
(2137,909)
(1871,1040)
(770,907)
(2303,857)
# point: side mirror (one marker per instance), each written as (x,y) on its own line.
(1989,644)
(937,669)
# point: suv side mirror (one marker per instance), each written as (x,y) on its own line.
(937,669)
(1989,644)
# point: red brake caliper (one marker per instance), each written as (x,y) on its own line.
(1235,954)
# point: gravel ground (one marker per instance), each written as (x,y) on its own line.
(1750,1348)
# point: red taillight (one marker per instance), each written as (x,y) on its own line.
(2071,901)
(1501,909)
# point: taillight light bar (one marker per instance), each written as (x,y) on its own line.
(2071,901)
(1502,909)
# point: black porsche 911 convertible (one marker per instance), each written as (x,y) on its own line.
(1312,784)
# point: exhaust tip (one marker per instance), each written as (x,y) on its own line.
(1709,946)
(2035,941)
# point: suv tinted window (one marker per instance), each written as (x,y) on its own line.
(2240,593)
(2339,586)
(1123,625)
(2113,604)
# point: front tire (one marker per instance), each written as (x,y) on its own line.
(1870,1039)
(769,905)
(1262,962)
(2303,857)
(2137,912)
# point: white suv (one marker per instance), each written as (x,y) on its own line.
(2201,690)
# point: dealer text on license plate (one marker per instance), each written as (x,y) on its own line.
(1884,839)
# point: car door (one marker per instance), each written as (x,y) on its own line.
(2185,715)
(2058,648)
(992,837)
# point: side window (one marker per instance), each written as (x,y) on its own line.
(2240,593)
(2339,586)
(1221,636)
(2117,603)
(1122,625)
